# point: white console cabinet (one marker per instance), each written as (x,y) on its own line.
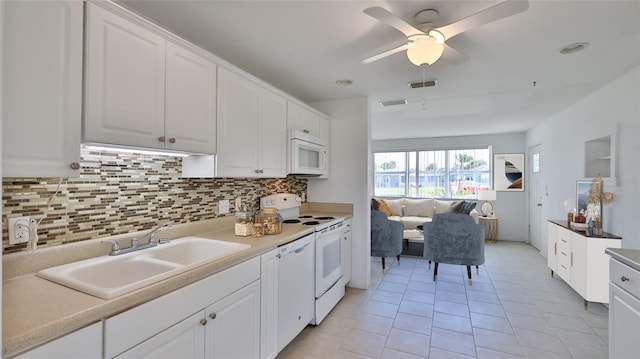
(579,259)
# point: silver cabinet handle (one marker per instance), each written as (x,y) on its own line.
(213,316)
(624,279)
(161,139)
(203,321)
(75,165)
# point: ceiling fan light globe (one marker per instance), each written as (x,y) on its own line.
(425,51)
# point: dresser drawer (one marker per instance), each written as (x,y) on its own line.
(625,277)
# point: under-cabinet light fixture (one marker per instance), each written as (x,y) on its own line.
(131,150)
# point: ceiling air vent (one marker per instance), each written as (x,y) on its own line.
(393,103)
(421,84)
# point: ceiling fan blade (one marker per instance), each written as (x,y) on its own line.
(504,9)
(453,56)
(391,20)
(384,54)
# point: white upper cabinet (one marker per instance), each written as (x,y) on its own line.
(125,73)
(302,119)
(190,116)
(251,129)
(42,88)
(144,91)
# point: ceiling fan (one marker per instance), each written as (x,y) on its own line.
(426,43)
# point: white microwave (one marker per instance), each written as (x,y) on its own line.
(307,154)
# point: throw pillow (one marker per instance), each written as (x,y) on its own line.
(454,207)
(384,208)
(467,207)
(419,207)
(396,206)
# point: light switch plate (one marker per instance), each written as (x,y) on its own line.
(223,206)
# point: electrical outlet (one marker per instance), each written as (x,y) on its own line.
(19,230)
(238,204)
(223,206)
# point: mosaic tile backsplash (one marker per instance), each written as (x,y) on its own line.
(120,193)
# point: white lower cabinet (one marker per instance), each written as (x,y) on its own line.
(233,325)
(228,328)
(84,343)
(185,340)
(345,252)
(624,311)
(216,317)
(269,305)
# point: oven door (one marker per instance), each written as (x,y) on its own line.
(307,158)
(328,269)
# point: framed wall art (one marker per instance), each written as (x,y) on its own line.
(582,201)
(508,172)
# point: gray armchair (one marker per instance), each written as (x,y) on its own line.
(454,238)
(386,236)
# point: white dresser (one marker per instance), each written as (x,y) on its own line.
(580,260)
(624,303)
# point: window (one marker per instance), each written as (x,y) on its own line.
(452,173)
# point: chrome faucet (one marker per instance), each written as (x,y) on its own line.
(135,242)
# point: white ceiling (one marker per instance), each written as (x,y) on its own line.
(303,47)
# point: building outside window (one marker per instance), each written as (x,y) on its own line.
(448,173)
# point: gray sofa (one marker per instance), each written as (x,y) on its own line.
(413,212)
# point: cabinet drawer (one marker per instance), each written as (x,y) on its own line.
(625,277)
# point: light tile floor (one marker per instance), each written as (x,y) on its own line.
(514,309)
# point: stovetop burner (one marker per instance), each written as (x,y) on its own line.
(305,216)
(291,221)
(311,223)
(326,218)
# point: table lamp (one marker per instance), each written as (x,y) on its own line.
(487,196)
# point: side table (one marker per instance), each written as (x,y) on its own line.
(492,227)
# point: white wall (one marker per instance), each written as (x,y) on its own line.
(510,207)
(348,176)
(562,139)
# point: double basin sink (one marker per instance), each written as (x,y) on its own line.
(111,276)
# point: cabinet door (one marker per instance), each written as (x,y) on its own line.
(85,343)
(269,304)
(345,252)
(183,340)
(272,137)
(233,328)
(237,134)
(624,323)
(552,246)
(190,117)
(579,264)
(125,81)
(302,119)
(42,88)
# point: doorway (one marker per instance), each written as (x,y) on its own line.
(535,200)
